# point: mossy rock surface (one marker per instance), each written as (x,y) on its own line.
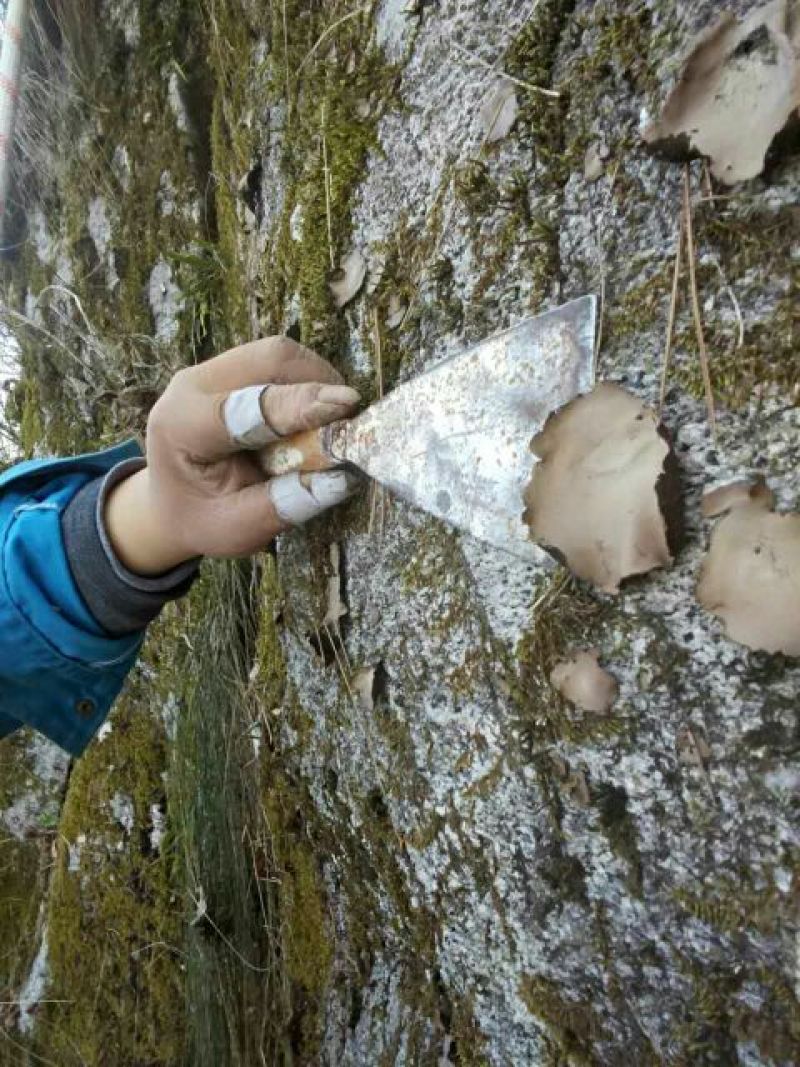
(386,840)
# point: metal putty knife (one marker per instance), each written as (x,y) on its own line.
(456,440)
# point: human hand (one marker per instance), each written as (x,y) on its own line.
(201,494)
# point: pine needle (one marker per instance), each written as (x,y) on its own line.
(698,318)
(326,177)
(673,307)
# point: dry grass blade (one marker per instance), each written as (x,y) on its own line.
(331,29)
(286,65)
(552,93)
(377,508)
(673,307)
(326,177)
(336,642)
(698,318)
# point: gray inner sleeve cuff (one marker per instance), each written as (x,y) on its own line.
(120,601)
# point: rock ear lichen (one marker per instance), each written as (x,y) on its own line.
(751,576)
(737,91)
(605,496)
(583,682)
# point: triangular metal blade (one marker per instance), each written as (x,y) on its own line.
(456,440)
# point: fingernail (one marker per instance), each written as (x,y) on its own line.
(339,395)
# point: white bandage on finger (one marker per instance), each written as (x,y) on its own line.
(297,503)
(245,420)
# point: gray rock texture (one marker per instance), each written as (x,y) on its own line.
(455,867)
(579,889)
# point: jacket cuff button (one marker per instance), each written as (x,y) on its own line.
(85,708)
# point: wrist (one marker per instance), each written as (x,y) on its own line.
(134,525)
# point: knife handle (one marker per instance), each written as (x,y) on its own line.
(304,452)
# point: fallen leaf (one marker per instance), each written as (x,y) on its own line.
(559,765)
(363,683)
(499,112)
(692,747)
(396,311)
(738,90)
(577,787)
(594,162)
(732,495)
(346,281)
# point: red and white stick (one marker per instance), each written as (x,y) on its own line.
(11,31)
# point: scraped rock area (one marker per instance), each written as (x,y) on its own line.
(473,871)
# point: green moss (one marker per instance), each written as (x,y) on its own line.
(474,187)
(306,942)
(532,57)
(485,786)
(717,1016)
(571,1027)
(114,919)
(329,127)
(639,307)
(22,865)
(750,245)
(468,1039)
(31,429)
(619,827)
(734,905)
(566,618)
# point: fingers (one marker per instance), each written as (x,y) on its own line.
(249,519)
(272,359)
(196,413)
(258,414)
(298,499)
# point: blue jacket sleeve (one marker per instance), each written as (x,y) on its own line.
(60,671)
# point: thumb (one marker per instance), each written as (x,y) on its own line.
(246,521)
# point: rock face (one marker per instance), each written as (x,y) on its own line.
(482,874)
(596,924)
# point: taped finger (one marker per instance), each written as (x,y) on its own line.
(258,414)
(297,501)
(244,417)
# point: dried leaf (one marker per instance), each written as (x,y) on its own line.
(560,766)
(605,496)
(499,112)
(396,311)
(578,788)
(692,747)
(594,162)
(750,577)
(583,682)
(345,282)
(363,683)
(738,90)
